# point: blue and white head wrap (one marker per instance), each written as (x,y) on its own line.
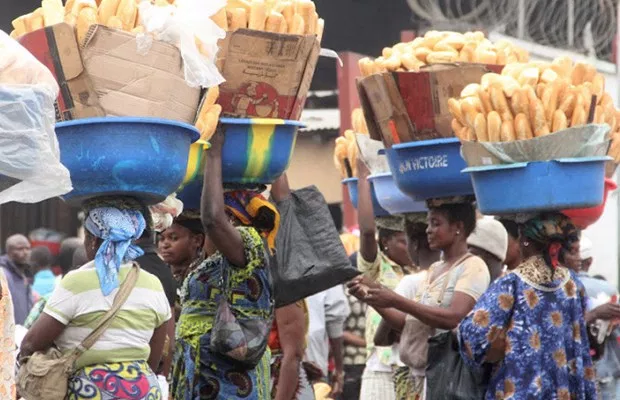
(117,228)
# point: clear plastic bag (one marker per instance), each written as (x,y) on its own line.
(164,213)
(183,25)
(30,168)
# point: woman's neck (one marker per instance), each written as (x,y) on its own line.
(180,269)
(455,251)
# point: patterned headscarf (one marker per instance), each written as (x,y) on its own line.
(117,228)
(552,231)
(245,205)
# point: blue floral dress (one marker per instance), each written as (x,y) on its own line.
(547,353)
(198,373)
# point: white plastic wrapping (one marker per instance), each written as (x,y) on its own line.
(164,213)
(30,168)
(181,25)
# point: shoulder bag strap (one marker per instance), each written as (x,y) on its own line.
(448,276)
(104,322)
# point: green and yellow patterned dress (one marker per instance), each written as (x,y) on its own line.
(198,373)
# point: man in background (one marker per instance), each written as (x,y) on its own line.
(15,266)
(608,366)
(41,260)
(354,345)
(327,312)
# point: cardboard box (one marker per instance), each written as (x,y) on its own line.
(426,93)
(107,76)
(582,141)
(56,47)
(384,110)
(268,75)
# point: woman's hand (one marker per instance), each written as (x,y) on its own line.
(380,297)
(359,286)
(497,348)
(606,312)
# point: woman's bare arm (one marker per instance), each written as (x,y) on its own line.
(213,211)
(157,343)
(291,330)
(41,335)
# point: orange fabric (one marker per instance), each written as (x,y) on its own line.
(274,338)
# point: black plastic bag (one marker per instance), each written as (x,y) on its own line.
(447,375)
(310,257)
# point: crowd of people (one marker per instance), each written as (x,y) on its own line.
(512,299)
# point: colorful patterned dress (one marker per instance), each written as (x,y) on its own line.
(547,352)
(7,341)
(198,373)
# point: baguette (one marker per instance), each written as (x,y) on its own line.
(480,128)
(237,19)
(53,12)
(485,100)
(550,100)
(500,104)
(107,9)
(579,117)
(519,102)
(320,28)
(568,104)
(126,12)
(274,22)
(523,131)
(454,106)
(298,25)
(507,131)
(114,22)
(457,127)
(221,18)
(86,18)
(307,10)
(494,126)
(470,90)
(559,121)
(438,57)
(537,117)
(469,108)
(258,15)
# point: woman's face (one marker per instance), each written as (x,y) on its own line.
(572,257)
(178,245)
(91,245)
(396,249)
(440,232)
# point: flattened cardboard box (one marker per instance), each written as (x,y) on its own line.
(384,110)
(56,47)
(108,77)
(268,75)
(426,93)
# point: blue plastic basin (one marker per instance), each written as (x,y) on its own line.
(353,195)
(429,168)
(540,185)
(257,150)
(141,157)
(191,194)
(391,198)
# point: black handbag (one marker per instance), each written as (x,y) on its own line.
(310,257)
(447,375)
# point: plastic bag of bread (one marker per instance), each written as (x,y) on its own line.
(30,168)
(186,25)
